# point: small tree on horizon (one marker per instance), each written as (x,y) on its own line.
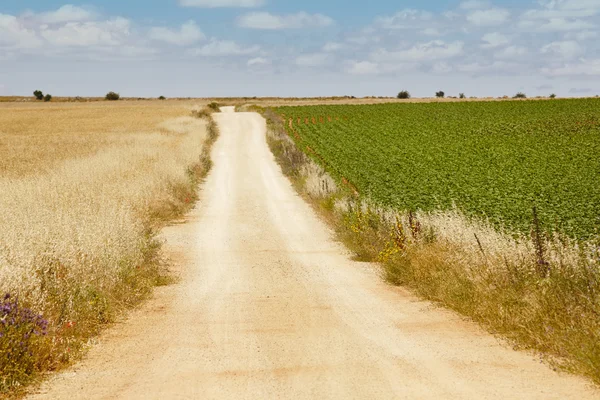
(520,95)
(404,95)
(462,96)
(113,96)
(440,94)
(552,96)
(162,98)
(48,97)
(38,95)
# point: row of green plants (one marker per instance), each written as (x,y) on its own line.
(541,293)
(491,160)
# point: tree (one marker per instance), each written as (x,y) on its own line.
(48,97)
(38,94)
(162,98)
(462,96)
(552,96)
(440,94)
(520,95)
(404,94)
(113,96)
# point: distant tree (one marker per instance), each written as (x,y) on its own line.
(404,94)
(48,97)
(552,96)
(162,98)
(38,95)
(440,94)
(113,96)
(520,95)
(462,96)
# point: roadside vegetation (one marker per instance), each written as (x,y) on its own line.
(79,243)
(451,223)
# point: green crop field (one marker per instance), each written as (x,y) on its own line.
(492,160)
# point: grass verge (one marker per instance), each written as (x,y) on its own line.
(543,294)
(82,247)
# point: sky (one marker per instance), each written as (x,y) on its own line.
(218,48)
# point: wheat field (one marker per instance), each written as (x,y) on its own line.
(83,189)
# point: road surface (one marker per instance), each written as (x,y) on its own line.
(270,307)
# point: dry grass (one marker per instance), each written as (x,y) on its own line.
(83,192)
(495,278)
(36,137)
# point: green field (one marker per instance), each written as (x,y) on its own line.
(492,160)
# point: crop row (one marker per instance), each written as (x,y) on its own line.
(491,160)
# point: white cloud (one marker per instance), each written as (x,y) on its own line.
(493,40)
(431,32)
(14,34)
(362,68)
(586,67)
(563,9)
(511,52)
(188,34)
(565,49)
(475,4)
(258,61)
(313,60)
(222,48)
(332,47)
(222,3)
(491,17)
(104,33)
(441,68)
(581,36)
(67,13)
(434,50)
(268,21)
(404,19)
(556,25)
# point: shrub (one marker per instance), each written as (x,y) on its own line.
(520,95)
(162,98)
(214,106)
(113,96)
(38,95)
(552,96)
(404,94)
(48,97)
(462,96)
(440,94)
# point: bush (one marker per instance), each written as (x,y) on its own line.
(214,106)
(48,97)
(462,96)
(113,96)
(440,94)
(162,98)
(552,96)
(520,95)
(38,95)
(404,94)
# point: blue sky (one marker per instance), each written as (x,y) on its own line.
(310,48)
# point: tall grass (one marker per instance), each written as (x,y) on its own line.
(543,293)
(77,243)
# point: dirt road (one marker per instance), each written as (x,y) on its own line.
(270,307)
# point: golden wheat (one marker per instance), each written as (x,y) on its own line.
(83,189)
